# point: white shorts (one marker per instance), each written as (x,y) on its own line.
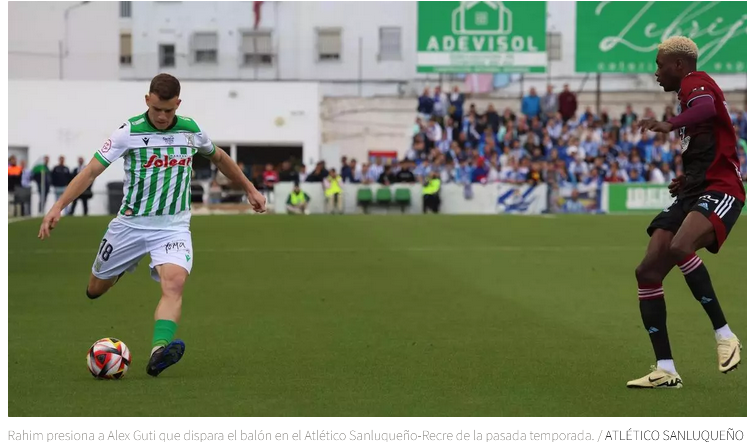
(124,246)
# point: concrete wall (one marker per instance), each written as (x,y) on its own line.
(483,202)
(37,29)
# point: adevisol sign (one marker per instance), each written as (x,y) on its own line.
(488,36)
(502,44)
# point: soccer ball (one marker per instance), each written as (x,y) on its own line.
(108,358)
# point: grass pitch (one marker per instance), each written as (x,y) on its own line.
(372,315)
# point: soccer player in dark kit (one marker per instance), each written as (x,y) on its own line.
(709,199)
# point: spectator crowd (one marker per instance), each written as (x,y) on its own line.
(547,141)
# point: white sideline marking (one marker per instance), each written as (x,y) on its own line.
(22,218)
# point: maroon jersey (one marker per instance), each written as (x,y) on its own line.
(709,149)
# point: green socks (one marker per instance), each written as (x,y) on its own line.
(163,332)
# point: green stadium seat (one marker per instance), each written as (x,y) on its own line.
(402,197)
(384,196)
(365,198)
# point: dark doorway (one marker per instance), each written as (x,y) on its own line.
(255,158)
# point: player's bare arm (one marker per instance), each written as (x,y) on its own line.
(231,170)
(77,186)
(701,110)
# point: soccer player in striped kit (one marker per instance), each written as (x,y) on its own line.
(157,147)
(709,199)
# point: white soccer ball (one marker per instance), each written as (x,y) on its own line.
(108,358)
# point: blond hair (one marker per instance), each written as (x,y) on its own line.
(679,46)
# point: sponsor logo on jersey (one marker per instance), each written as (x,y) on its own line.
(168,140)
(107,145)
(167,161)
(704,205)
(145,140)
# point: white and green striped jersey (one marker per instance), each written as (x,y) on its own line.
(158,170)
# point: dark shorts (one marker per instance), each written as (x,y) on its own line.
(721,209)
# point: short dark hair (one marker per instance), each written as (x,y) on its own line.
(165,86)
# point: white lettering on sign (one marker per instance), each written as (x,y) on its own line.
(711,36)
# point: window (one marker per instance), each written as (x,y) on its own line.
(205,47)
(256,48)
(329,43)
(125,9)
(125,49)
(390,44)
(166,56)
(554,49)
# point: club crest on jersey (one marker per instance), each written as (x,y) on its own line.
(168,140)
(166,161)
(190,139)
(107,145)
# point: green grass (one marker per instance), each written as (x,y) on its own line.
(386,316)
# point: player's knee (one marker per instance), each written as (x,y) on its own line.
(680,249)
(172,284)
(97,287)
(647,274)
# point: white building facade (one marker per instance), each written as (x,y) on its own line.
(63,41)
(353,48)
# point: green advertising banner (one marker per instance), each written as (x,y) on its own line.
(464,37)
(622,37)
(631,198)
(626,198)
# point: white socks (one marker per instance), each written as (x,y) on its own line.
(666,365)
(155,348)
(724,333)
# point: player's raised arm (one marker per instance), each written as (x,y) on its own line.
(114,147)
(230,169)
(700,109)
(77,186)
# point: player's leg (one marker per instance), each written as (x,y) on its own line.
(167,351)
(650,275)
(171,263)
(119,251)
(97,286)
(707,226)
